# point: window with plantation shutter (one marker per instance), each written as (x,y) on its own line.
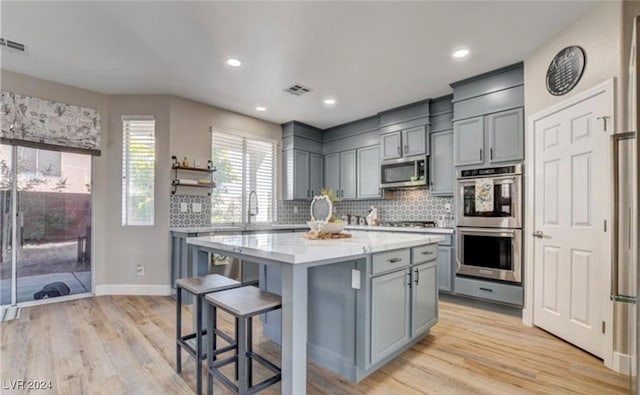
(138,170)
(243,165)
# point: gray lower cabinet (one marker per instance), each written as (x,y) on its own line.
(332,172)
(348,174)
(445,275)
(424,309)
(506,135)
(468,145)
(390,313)
(441,166)
(315,174)
(368,175)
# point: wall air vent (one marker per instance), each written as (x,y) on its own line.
(12,45)
(298,89)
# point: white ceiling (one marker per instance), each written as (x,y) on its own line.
(370,56)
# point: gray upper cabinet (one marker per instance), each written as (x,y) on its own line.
(391,145)
(332,172)
(468,141)
(368,172)
(315,174)
(390,309)
(414,141)
(301,175)
(442,173)
(348,174)
(506,135)
(424,309)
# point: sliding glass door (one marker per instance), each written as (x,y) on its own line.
(48,255)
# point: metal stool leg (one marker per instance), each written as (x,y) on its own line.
(211,336)
(197,305)
(242,356)
(249,350)
(237,349)
(178,329)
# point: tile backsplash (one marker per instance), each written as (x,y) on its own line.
(409,205)
(178,219)
(405,205)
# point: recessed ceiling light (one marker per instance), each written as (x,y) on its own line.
(234,62)
(260,108)
(329,101)
(460,53)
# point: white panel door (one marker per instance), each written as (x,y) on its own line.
(572,258)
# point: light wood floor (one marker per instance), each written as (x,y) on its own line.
(125,345)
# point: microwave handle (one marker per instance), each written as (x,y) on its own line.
(415,170)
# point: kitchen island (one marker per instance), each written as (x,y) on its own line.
(350,304)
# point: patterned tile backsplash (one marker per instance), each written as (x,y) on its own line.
(409,205)
(416,205)
(190,218)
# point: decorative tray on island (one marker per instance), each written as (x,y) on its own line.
(317,235)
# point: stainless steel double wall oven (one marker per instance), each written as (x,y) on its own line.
(489,223)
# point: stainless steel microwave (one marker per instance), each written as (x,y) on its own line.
(410,172)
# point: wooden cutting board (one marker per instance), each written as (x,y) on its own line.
(328,236)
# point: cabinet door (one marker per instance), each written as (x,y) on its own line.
(444,269)
(390,309)
(348,174)
(391,145)
(424,306)
(441,171)
(369,172)
(301,175)
(506,135)
(414,141)
(315,174)
(468,144)
(332,172)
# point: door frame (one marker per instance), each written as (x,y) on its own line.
(608,87)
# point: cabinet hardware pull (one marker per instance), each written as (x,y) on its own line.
(394,260)
(481,158)
(417,276)
(406,149)
(409,278)
(399,150)
(491,153)
(486,289)
(427,252)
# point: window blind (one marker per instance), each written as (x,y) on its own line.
(138,171)
(243,165)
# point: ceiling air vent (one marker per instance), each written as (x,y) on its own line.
(298,89)
(12,45)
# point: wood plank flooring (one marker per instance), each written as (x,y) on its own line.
(125,345)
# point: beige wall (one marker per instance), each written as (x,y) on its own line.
(182,129)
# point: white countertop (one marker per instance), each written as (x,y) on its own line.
(294,248)
(267,227)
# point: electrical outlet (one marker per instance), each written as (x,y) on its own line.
(295,209)
(355,279)
(184,207)
(140,270)
(196,207)
(447,207)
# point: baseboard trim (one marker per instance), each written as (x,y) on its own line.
(622,363)
(133,289)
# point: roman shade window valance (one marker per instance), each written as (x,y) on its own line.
(34,122)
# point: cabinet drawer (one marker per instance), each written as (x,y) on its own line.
(504,293)
(424,254)
(386,261)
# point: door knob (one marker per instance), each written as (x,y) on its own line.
(538,234)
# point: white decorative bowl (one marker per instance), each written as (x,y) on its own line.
(332,227)
(313,225)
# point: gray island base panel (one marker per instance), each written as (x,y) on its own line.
(350,305)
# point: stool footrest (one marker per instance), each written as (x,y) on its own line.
(213,370)
(225,349)
(266,363)
(266,383)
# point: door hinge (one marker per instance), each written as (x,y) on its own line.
(605,225)
(604,327)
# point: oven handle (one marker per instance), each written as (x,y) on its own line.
(415,170)
(484,231)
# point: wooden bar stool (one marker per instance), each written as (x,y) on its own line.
(243,303)
(199,287)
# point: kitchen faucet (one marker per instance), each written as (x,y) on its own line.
(253,206)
